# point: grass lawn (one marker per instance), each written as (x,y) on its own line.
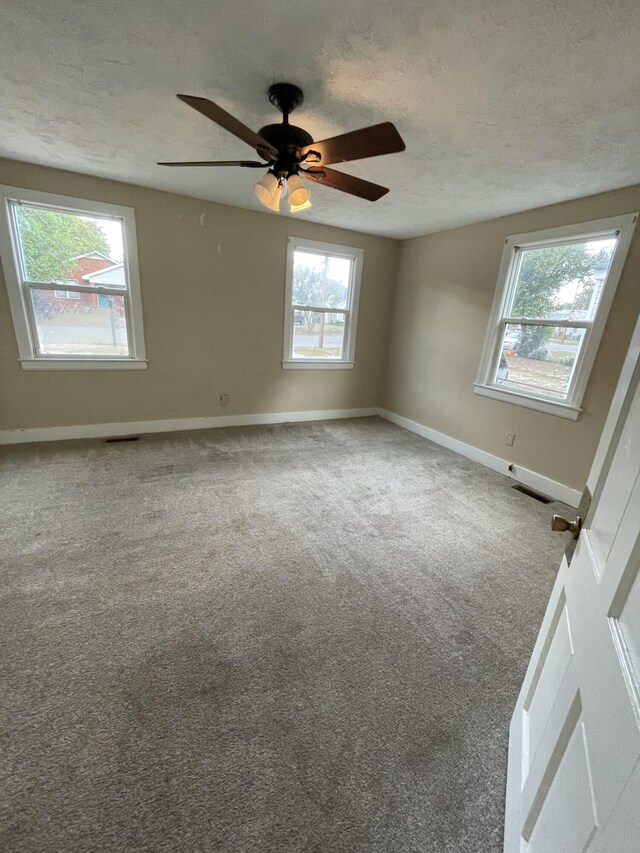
(317,352)
(548,377)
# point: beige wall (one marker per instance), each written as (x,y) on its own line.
(444,293)
(213,324)
(213,318)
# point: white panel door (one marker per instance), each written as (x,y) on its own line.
(574,745)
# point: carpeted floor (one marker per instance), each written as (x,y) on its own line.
(298,638)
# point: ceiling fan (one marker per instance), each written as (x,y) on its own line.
(290,151)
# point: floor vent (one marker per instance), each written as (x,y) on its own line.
(122,438)
(535,495)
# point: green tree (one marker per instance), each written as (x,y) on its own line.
(50,241)
(543,272)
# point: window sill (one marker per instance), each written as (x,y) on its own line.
(549,407)
(83,364)
(316,364)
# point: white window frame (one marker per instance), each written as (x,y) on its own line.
(18,285)
(289,361)
(621,227)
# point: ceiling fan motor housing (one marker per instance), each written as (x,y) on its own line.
(287,138)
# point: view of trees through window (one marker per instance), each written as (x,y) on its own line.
(51,241)
(560,284)
(319,282)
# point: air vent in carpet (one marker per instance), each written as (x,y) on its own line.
(122,438)
(535,495)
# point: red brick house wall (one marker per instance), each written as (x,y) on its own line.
(83,266)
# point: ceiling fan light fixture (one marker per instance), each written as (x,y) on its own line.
(265,190)
(298,193)
(274,204)
(296,208)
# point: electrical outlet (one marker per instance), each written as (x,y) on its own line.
(510,439)
(224,399)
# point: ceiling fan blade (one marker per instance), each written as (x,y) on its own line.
(232,124)
(367,142)
(345,183)
(250,164)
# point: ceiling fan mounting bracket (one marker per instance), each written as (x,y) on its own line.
(286,97)
(315,174)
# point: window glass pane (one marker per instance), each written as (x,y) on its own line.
(538,360)
(321,281)
(66,246)
(92,325)
(318,334)
(562,282)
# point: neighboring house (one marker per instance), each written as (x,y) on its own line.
(112,276)
(91,269)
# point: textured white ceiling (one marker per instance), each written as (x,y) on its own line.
(504,104)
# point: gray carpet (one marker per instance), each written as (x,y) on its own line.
(293,638)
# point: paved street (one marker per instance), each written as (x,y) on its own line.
(311,340)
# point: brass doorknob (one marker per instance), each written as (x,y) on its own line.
(559,523)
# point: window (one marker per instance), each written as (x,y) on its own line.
(66,294)
(72,275)
(323,285)
(554,291)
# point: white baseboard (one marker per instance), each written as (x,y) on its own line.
(536,481)
(20,436)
